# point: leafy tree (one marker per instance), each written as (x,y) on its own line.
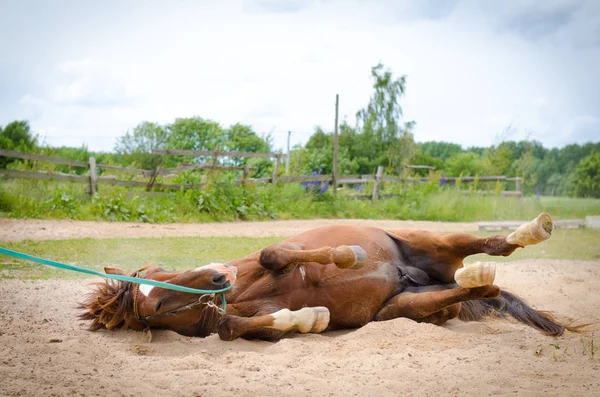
(318,156)
(526,166)
(439,150)
(465,163)
(381,137)
(421,158)
(16,136)
(241,138)
(136,147)
(195,133)
(380,119)
(497,160)
(586,180)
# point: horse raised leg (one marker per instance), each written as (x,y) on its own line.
(274,325)
(441,255)
(435,304)
(278,257)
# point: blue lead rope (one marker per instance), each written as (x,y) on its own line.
(137,280)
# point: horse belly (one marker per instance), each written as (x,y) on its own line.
(354,299)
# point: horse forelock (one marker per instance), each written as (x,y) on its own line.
(110,304)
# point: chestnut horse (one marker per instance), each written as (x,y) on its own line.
(333,277)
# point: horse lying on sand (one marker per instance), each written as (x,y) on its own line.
(332,277)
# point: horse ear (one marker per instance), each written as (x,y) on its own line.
(113,270)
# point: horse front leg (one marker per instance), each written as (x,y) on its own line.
(274,325)
(278,257)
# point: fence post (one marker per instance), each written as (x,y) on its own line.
(335,147)
(246,173)
(276,170)
(377,183)
(518,184)
(93,176)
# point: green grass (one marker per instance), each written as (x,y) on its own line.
(127,254)
(223,201)
(191,252)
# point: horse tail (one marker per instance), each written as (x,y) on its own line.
(508,303)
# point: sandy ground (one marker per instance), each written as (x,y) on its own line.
(19,229)
(46,350)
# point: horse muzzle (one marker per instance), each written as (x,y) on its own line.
(229,271)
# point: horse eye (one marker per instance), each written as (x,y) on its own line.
(158,306)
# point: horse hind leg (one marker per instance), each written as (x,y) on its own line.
(278,257)
(435,305)
(275,325)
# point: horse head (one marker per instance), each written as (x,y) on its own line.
(120,304)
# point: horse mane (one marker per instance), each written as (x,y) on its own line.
(110,304)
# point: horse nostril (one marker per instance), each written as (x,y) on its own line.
(219,279)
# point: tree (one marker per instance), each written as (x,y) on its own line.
(318,156)
(382,136)
(465,163)
(497,160)
(195,133)
(241,138)
(439,150)
(526,166)
(136,146)
(586,178)
(16,136)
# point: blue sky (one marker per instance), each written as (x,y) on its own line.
(85,72)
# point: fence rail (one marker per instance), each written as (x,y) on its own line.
(93,180)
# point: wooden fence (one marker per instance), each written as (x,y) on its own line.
(93,180)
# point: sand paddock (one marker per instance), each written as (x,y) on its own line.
(46,350)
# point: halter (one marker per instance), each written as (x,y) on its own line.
(206,299)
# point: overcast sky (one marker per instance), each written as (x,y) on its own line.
(84,72)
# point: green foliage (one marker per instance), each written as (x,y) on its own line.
(380,137)
(117,207)
(224,200)
(465,163)
(191,133)
(136,146)
(439,150)
(63,201)
(586,178)
(318,156)
(6,201)
(241,138)
(195,133)
(497,160)
(16,136)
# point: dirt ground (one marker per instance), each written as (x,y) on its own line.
(46,350)
(31,229)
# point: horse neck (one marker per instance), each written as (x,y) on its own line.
(249,272)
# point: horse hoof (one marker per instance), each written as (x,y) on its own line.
(350,257)
(536,231)
(476,275)
(361,256)
(321,319)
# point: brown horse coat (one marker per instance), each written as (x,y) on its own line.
(328,278)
